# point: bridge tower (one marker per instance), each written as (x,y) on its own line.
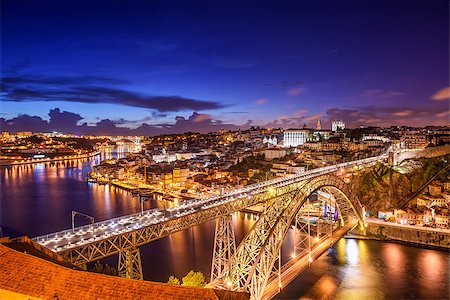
(130,265)
(224,246)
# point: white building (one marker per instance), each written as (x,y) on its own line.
(337,125)
(270,141)
(295,137)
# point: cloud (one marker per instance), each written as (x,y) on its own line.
(375,93)
(285,83)
(443,114)
(442,94)
(295,91)
(261,101)
(297,119)
(67,122)
(403,113)
(63,121)
(91,89)
(59,80)
(24,123)
(387,116)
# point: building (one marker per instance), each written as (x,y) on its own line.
(414,141)
(274,153)
(337,125)
(295,137)
(31,273)
(270,141)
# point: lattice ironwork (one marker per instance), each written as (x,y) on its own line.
(130,265)
(101,246)
(302,230)
(252,265)
(224,246)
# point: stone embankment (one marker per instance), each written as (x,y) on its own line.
(431,237)
(424,153)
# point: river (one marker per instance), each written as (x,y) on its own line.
(38,199)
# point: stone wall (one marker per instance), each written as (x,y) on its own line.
(436,238)
(426,153)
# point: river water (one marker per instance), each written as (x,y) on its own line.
(38,199)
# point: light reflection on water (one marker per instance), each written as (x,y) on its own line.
(365,269)
(38,199)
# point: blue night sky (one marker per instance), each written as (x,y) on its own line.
(193,65)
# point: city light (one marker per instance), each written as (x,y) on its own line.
(246,140)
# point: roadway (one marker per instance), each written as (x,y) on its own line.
(291,269)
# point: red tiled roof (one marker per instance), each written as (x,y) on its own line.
(35,277)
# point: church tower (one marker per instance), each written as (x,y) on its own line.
(319,126)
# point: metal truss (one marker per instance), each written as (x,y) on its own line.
(106,246)
(256,255)
(130,265)
(302,231)
(102,247)
(224,246)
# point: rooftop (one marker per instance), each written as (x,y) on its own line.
(24,276)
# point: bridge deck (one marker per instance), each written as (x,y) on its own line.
(190,213)
(291,269)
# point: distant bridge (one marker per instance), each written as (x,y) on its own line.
(131,139)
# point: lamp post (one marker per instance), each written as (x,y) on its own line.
(75,213)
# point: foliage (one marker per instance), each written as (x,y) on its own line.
(173,280)
(35,139)
(383,187)
(194,279)
(104,269)
(251,162)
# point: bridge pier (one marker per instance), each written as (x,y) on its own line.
(224,246)
(302,231)
(130,265)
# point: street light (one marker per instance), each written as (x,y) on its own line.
(75,213)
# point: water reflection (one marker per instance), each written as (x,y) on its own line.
(39,198)
(364,269)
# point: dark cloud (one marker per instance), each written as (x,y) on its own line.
(63,121)
(24,123)
(286,83)
(59,80)
(67,122)
(92,89)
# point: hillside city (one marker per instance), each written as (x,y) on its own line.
(179,167)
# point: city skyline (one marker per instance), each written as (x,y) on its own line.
(160,68)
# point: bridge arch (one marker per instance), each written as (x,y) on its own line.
(251,266)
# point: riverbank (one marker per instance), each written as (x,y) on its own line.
(433,238)
(47,159)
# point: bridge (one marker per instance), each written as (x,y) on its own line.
(253,266)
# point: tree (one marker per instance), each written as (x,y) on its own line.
(104,269)
(194,279)
(173,280)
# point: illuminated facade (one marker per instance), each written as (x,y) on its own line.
(295,137)
(337,125)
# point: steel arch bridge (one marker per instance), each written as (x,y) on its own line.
(248,267)
(255,266)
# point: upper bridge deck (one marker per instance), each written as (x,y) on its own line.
(194,211)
